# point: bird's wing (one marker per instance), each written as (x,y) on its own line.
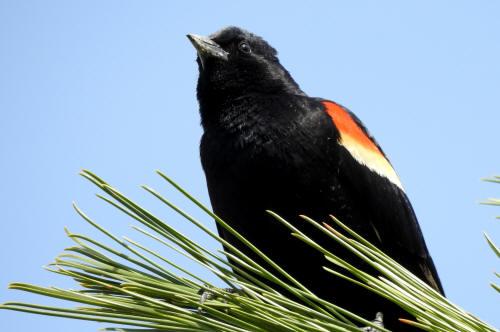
(366,169)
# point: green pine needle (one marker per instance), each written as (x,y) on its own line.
(129,284)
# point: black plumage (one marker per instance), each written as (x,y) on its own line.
(268,146)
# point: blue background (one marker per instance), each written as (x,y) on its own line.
(110,86)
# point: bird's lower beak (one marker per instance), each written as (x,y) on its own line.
(206,47)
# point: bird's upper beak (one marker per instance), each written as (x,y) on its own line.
(207,48)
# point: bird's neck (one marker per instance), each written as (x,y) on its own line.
(237,112)
(216,97)
(225,111)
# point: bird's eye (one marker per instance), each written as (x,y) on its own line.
(244,47)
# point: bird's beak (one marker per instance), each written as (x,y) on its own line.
(207,48)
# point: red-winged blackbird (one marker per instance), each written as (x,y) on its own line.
(269,146)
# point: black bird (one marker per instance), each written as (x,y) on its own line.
(268,146)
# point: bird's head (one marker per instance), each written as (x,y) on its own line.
(234,62)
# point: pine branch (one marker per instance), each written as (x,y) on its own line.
(130,284)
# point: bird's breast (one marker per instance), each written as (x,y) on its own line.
(268,135)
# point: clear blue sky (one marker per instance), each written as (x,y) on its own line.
(110,86)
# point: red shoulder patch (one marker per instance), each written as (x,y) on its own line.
(348,127)
(359,144)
